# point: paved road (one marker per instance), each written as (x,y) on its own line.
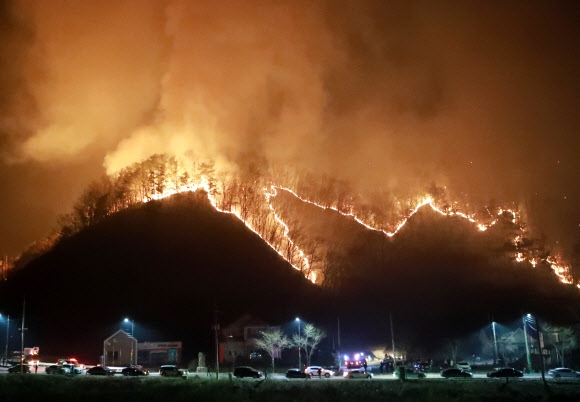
(281,377)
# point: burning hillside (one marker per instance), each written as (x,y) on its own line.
(364,104)
(280,217)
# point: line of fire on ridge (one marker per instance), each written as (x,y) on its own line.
(559,269)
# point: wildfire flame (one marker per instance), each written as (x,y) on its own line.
(301,262)
(204,184)
(560,269)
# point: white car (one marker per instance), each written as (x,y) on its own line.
(58,369)
(323,372)
(563,372)
(358,373)
(463,366)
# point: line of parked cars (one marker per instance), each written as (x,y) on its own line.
(166,370)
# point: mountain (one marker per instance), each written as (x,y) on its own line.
(168,265)
(438,276)
(175,265)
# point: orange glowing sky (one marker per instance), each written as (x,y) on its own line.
(479,97)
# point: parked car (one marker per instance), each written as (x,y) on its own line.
(58,369)
(505,372)
(247,371)
(410,373)
(171,370)
(463,366)
(358,373)
(100,370)
(297,373)
(314,371)
(74,369)
(19,368)
(454,372)
(134,371)
(563,372)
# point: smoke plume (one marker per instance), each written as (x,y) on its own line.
(479,97)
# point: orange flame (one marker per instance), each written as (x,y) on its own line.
(560,269)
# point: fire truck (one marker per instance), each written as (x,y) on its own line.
(28,355)
(359,360)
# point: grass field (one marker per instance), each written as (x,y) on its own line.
(15,388)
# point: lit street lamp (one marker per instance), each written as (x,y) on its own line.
(132,339)
(299,344)
(7,335)
(494,343)
(526,318)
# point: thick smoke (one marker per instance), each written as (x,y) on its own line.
(480,97)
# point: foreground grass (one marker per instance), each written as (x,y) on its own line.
(15,388)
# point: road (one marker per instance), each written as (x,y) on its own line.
(281,377)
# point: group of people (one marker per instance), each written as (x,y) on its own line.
(386,366)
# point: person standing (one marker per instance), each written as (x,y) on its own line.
(319,372)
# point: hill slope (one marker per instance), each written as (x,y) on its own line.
(166,265)
(439,276)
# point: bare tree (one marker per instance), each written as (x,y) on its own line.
(509,343)
(273,342)
(561,338)
(308,339)
(453,349)
(225,191)
(487,345)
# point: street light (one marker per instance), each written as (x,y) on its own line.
(494,343)
(7,335)
(529,358)
(132,338)
(299,344)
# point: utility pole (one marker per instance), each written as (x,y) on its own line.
(7,336)
(216,329)
(541,347)
(22,329)
(299,346)
(393,340)
(529,358)
(495,357)
(338,345)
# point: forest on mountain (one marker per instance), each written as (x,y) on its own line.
(283,206)
(176,247)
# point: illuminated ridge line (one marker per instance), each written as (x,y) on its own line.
(560,270)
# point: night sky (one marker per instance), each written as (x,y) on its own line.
(479,97)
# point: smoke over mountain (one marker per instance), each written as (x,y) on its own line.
(479,98)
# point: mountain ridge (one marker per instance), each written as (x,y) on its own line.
(172,264)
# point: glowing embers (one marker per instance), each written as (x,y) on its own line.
(561,270)
(310,274)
